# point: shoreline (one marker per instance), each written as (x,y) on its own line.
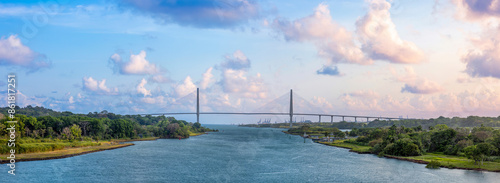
(409,159)
(115,146)
(359,151)
(48,155)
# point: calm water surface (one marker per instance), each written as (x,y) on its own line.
(238,154)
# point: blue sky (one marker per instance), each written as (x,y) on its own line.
(419,59)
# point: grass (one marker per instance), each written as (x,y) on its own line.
(353,147)
(448,161)
(67,152)
(139,139)
(41,149)
(192,134)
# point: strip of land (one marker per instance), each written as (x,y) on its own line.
(73,151)
(446,161)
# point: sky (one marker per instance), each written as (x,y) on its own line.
(417,59)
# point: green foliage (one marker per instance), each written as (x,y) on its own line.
(76,131)
(402,147)
(443,137)
(434,164)
(39,122)
(479,152)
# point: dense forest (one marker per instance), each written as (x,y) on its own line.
(39,122)
(478,143)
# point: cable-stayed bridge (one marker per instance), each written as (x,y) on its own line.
(290,112)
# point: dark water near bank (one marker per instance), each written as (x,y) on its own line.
(238,154)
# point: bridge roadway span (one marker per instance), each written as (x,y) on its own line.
(291,113)
(274,113)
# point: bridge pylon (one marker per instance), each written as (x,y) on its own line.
(198,105)
(291,107)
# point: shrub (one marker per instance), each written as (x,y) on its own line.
(363,139)
(433,165)
(375,142)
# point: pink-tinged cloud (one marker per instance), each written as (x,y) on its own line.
(137,65)
(476,10)
(380,39)
(333,41)
(416,84)
(361,100)
(484,59)
(13,52)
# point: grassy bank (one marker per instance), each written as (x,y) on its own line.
(131,140)
(446,161)
(353,147)
(449,161)
(44,149)
(196,134)
(64,153)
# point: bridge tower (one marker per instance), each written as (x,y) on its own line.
(291,107)
(198,105)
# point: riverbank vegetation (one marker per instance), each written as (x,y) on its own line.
(469,148)
(39,129)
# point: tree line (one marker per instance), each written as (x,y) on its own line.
(479,143)
(39,122)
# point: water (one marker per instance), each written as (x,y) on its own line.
(238,154)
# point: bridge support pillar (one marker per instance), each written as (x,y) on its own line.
(319,120)
(291,107)
(343,118)
(198,105)
(331,119)
(355,119)
(367,119)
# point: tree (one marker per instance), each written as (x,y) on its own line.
(442,138)
(196,125)
(479,152)
(66,133)
(402,147)
(76,131)
(172,130)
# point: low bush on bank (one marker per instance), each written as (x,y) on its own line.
(433,165)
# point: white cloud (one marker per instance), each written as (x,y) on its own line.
(237,61)
(13,52)
(333,41)
(380,39)
(137,65)
(235,77)
(207,79)
(141,89)
(159,79)
(71,100)
(98,87)
(185,88)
